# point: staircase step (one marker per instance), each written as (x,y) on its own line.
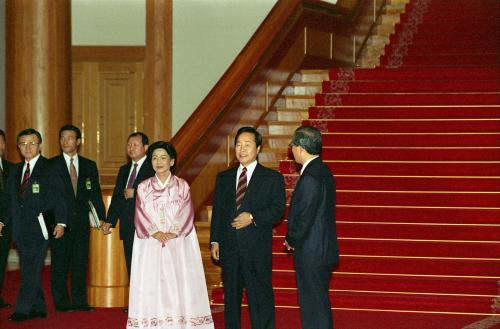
(274,155)
(414,198)
(411,168)
(420,73)
(372,86)
(403,248)
(408,112)
(438,98)
(485,59)
(306,88)
(283,128)
(451,125)
(278,141)
(393,301)
(312,75)
(397,283)
(295,101)
(418,214)
(399,265)
(292,114)
(411,139)
(430,232)
(409,183)
(412,154)
(376,300)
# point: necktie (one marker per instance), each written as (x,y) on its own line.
(72,175)
(132,177)
(242,188)
(25,182)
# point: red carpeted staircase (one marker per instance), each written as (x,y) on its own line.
(415,149)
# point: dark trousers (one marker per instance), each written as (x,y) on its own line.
(70,256)
(5,240)
(128,247)
(314,299)
(255,276)
(31,256)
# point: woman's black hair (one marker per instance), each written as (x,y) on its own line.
(172,153)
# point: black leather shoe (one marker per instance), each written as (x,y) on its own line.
(125,310)
(18,317)
(39,315)
(84,308)
(5,305)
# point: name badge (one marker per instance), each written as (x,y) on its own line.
(35,188)
(88,184)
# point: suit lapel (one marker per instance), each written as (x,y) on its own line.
(19,173)
(255,181)
(232,186)
(254,185)
(140,175)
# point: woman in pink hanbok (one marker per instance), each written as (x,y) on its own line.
(167,282)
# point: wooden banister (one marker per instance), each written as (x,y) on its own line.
(296,34)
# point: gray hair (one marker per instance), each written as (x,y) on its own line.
(309,138)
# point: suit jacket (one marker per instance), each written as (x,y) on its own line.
(125,209)
(264,199)
(311,217)
(88,189)
(23,212)
(7,167)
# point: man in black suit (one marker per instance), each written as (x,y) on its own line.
(70,253)
(311,229)
(123,200)
(5,239)
(33,192)
(248,200)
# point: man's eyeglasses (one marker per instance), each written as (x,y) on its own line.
(24,144)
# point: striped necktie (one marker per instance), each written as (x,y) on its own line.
(242,188)
(26,181)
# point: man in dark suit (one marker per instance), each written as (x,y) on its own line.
(248,200)
(123,200)
(33,192)
(5,239)
(311,229)
(70,253)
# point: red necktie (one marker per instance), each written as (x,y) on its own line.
(242,188)
(26,181)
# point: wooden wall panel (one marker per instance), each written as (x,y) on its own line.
(107,106)
(318,43)
(120,110)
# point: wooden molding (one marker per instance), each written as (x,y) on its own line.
(108,53)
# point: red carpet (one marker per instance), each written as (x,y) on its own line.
(415,148)
(286,318)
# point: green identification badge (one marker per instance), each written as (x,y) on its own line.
(35,188)
(88,184)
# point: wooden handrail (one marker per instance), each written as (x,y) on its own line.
(190,137)
(295,34)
